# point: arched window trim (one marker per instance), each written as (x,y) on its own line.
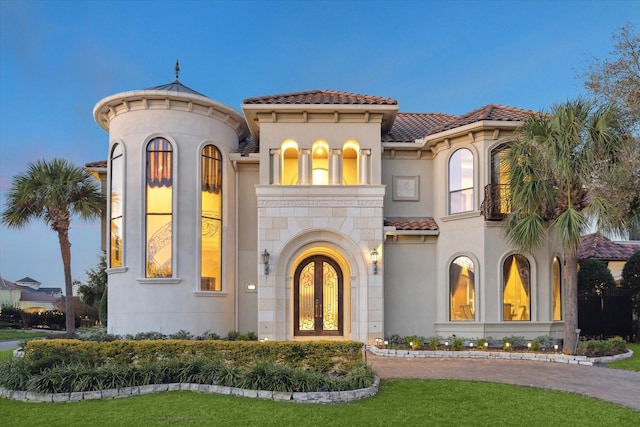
(173,278)
(474,178)
(351,144)
(514,312)
(119,215)
(208,284)
(472,313)
(560,292)
(286,168)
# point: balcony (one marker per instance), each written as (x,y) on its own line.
(496,204)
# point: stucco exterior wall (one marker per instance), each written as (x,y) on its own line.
(168,305)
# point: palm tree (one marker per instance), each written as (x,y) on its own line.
(566,168)
(54,191)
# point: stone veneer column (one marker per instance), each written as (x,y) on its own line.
(364,167)
(305,167)
(276,170)
(335,170)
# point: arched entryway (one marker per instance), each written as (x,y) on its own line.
(318,297)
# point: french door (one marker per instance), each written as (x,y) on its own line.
(318,307)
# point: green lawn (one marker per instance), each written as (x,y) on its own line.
(400,402)
(5,354)
(630,364)
(16,334)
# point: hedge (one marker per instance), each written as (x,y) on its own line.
(322,356)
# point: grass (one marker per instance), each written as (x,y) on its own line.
(13,334)
(400,402)
(5,354)
(630,364)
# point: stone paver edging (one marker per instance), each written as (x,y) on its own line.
(508,355)
(300,397)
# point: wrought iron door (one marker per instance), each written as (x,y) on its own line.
(318,297)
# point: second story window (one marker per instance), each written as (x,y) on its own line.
(461,181)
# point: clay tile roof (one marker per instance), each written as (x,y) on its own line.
(411,126)
(320,97)
(98,164)
(411,223)
(598,246)
(488,112)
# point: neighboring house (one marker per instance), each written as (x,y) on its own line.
(28,295)
(615,254)
(316,214)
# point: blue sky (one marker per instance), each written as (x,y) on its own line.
(59,58)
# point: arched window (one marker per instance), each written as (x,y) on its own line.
(461,181)
(289,163)
(557,289)
(115,207)
(350,152)
(159,208)
(500,188)
(516,288)
(211,220)
(320,163)
(462,292)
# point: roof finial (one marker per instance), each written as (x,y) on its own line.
(177,69)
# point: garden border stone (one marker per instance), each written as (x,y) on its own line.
(301,397)
(515,355)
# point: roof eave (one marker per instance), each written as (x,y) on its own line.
(251,111)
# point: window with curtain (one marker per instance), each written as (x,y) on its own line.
(115,207)
(557,289)
(211,220)
(159,208)
(461,181)
(516,288)
(462,292)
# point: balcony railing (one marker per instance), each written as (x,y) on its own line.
(496,204)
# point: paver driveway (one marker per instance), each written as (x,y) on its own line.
(613,385)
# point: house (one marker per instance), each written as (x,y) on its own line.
(317,214)
(614,254)
(28,295)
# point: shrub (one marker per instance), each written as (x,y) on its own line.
(360,376)
(481,343)
(535,345)
(181,335)
(413,342)
(598,348)
(15,373)
(433,343)
(457,344)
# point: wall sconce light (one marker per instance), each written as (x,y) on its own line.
(374,260)
(265,261)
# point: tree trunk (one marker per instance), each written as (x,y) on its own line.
(65,249)
(570,303)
